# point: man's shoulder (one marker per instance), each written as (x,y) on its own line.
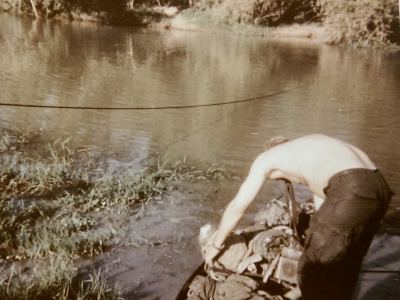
(310,148)
(317,137)
(316,141)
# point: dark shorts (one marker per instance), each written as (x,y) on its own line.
(341,232)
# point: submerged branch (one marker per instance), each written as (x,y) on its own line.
(34,9)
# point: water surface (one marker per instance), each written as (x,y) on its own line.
(349,94)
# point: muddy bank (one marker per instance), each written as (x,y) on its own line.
(62,207)
(162,249)
(313,32)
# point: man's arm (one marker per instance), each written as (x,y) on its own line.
(236,208)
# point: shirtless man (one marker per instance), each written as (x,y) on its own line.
(351,197)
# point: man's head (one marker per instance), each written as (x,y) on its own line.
(275,141)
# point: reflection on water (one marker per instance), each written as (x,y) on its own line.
(349,94)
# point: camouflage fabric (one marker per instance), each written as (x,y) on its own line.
(251,259)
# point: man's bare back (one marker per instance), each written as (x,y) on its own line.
(311,160)
(351,197)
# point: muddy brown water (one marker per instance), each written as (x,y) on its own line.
(351,94)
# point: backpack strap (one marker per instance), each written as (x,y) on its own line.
(291,203)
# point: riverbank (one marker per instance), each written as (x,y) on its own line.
(336,22)
(192,21)
(74,228)
(61,208)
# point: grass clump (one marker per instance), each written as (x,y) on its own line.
(57,279)
(11,141)
(57,206)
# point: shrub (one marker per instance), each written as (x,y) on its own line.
(263,12)
(359,22)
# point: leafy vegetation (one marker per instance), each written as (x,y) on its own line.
(262,12)
(360,23)
(57,205)
(355,22)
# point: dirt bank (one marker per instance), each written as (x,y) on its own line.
(314,32)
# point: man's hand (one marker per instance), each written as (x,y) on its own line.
(210,251)
(293,294)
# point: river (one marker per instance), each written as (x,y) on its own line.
(350,94)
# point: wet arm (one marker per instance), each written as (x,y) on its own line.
(247,192)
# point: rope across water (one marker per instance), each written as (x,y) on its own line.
(235,101)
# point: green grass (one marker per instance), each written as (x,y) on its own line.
(58,206)
(57,279)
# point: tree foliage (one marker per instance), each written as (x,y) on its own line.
(262,12)
(357,22)
(360,22)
